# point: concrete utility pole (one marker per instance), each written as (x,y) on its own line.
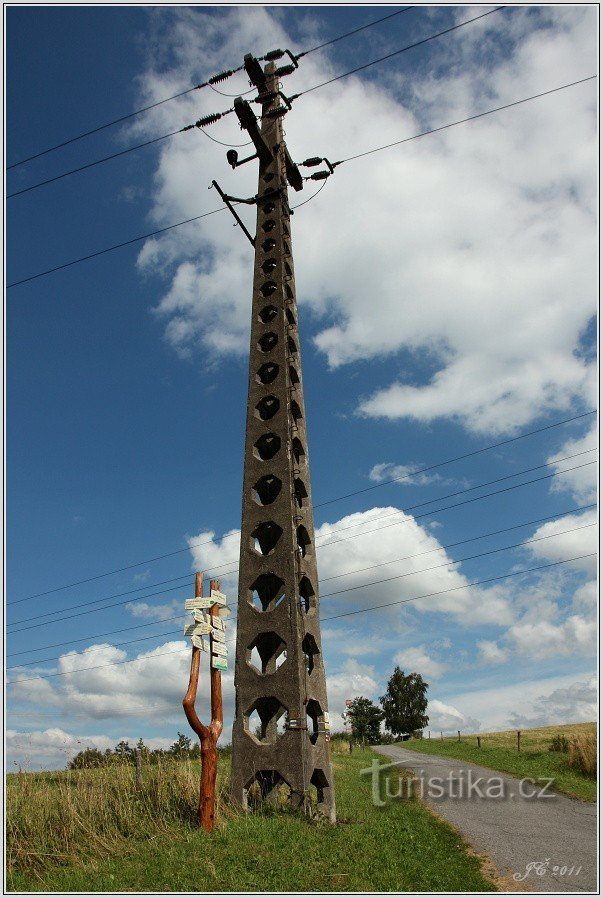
(279,672)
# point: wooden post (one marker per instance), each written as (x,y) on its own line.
(441,735)
(429,734)
(479,742)
(208,736)
(138,769)
(459,732)
(518,740)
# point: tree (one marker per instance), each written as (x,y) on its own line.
(365,719)
(123,751)
(181,747)
(89,758)
(405,702)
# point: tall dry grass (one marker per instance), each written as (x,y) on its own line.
(76,816)
(582,754)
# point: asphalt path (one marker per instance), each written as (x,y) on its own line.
(545,843)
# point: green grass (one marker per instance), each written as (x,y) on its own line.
(399,847)
(499,752)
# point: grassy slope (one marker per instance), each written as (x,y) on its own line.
(400,847)
(499,752)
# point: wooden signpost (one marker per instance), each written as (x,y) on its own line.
(208,735)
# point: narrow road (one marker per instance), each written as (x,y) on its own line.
(550,842)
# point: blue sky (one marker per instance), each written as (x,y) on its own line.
(447,301)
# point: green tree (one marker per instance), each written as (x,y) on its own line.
(90,757)
(365,719)
(181,747)
(123,751)
(405,702)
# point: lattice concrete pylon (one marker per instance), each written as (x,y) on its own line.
(280,731)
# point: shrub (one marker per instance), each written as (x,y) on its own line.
(559,743)
(583,754)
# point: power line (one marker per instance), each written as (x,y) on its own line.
(445,564)
(333,617)
(147,143)
(189,90)
(347,159)
(109,249)
(56,645)
(440,464)
(330,501)
(321,546)
(355,31)
(425,40)
(468,119)
(545,519)
(74,171)
(465,586)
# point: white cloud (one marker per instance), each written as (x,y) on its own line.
(416,659)
(535,640)
(504,706)
(154,612)
(491,653)
(582,482)
(489,274)
(352,679)
(558,544)
(96,685)
(403,473)
(53,748)
(586,597)
(576,703)
(444,717)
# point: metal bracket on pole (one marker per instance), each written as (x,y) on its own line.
(226,200)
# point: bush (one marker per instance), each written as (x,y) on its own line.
(582,754)
(559,743)
(387,739)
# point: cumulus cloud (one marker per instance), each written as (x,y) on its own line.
(558,544)
(53,748)
(416,659)
(489,274)
(491,653)
(576,703)
(444,717)
(96,684)
(581,482)
(347,682)
(403,473)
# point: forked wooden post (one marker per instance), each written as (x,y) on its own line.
(208,736)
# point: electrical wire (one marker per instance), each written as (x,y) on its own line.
(347,159)
(299,205)
(440,464)
(446,564)
(110,249)
(429,513)
(442,548)
(465,586)
(355,31)
(425,40)
(470,118)
(466,455)
(116,121)
(189,90)
(222,143)
(74,171)
(333,617)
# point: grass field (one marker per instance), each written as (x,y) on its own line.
(92,831)
(499,752)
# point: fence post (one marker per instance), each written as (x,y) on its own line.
(479,742)
(459,732)
(138,769)
(518,740)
